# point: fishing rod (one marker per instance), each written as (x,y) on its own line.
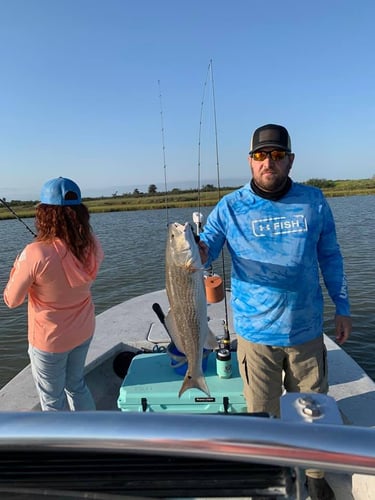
(218,282)
(198,214)
(163,145)
(156,307)
(6,205)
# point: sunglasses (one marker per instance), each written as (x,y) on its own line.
(275,155)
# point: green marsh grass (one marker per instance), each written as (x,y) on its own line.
(184,199)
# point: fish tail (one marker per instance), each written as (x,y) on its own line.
(197,383)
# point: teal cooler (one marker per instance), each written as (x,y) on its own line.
(153,385)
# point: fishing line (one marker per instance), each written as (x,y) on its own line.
(6,205)
(210,76)
(163,145)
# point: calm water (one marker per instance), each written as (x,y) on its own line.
(134,246)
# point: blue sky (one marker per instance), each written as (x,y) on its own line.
(80,96)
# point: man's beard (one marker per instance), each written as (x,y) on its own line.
(275,194)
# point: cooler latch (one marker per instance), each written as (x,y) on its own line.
(226,404)
(144,404)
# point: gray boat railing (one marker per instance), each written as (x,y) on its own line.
(244,438)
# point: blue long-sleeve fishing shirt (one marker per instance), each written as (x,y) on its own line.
(277,248)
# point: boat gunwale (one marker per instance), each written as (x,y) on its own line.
(245,438)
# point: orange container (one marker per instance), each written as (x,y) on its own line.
(214,288)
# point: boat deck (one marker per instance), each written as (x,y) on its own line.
(133,326)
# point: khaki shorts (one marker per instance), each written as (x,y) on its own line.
(262,368)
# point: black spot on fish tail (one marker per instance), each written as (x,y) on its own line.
(194,383)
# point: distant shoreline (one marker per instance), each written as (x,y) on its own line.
(183,199)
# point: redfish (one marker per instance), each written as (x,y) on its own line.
(186,320)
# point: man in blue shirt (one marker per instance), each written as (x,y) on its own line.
(279,234)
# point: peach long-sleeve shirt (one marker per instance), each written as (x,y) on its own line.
(61,313)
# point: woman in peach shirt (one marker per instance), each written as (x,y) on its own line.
(56,272)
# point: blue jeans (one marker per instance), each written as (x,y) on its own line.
(59,379)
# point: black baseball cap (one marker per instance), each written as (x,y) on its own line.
(275,136)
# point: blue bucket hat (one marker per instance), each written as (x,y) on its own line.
(60,191)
